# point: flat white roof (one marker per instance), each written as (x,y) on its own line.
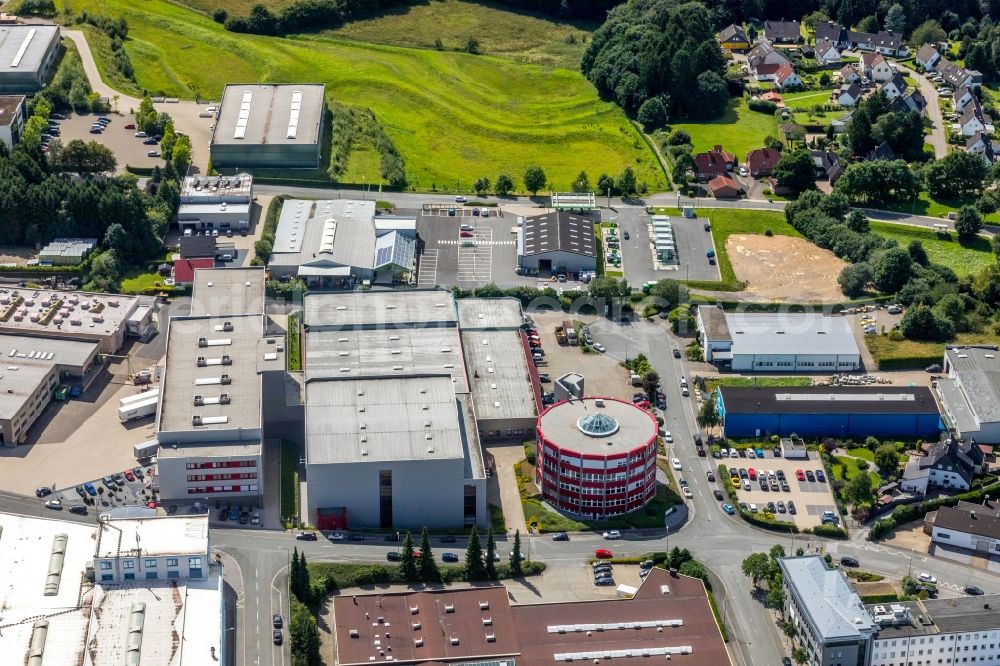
(182,622)
(498,375)
(269,114)
(489,313)
(788,333)
(219,291)
(375,309)
(25,551)
(336,231)
(162,535)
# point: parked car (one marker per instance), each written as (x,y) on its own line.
(925,577)
(155,153)
(849,562)
(800,475)
(934,367)
(96,130)
(138,473)
(465,234)
(393,556)
(335,536)
(129,475)
(676,464)
(626,236)
(130,126)
(78,509)
(255,518)
(820,476)
(810,476)
(277,637)
(80,491)
(43,491)
(599,347)
(306,536)
(781,507)
(613,534)
(668,438)
(54,504)
(791,507)
(973,590)
(141,135)
(604,581)
(149,142)
(728,508)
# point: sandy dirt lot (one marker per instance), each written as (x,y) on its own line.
(911,536)
(16,255)
(781,268)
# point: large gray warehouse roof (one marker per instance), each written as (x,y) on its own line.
(978,372)
(790,333)
(386,352)
(23,47)
(220,291)
(339,231)
(237,337)
(382,419)
(28,359)
(379,308)
(279,114)
(499,376)
(489,313)
(558,231)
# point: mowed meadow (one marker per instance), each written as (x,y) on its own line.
(453,116)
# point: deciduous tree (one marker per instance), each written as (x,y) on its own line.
(534,179)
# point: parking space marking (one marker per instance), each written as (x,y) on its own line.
(427,271)
(460,241)
(475,260)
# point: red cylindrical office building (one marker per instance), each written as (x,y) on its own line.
(596,456)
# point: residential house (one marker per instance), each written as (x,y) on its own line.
(848,95)
(715,162)
(734,38)
(952,464)
(876,67)
(848,74)
(761,162)
(786,78)
(894,87)
(957,76)
(928,57)
(863,41)
(765,72)
(832,32)
(765,54)
(806,51)
(974,527)
(828,166)
(782,32)
(973,121)
(840,124)
(915,101)
(826,53)
(915,477)
(891,44)
(962,97)
(980,144)
(883,151)
(724,187)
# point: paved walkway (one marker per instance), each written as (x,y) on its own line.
(96,82)
(937,137)
(506,456)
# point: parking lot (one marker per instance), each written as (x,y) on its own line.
(811,498)
(128,149)
(489,254)
(129,487)
(692,241)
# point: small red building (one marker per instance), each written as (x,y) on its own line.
(724,187)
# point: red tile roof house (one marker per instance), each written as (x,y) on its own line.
(716,162)
(184,269)
(760,162)
(724,187)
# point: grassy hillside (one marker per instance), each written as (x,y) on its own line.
(453,117)
(963,258)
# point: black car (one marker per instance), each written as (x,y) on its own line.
(973,590)
(244,517)
(278,623)
(544,377)
(710,475)
(393,556)
(80,491)
(849,562)
(771,507)
(791,507)
(78,509)
(356,536)
(150,142)
(277,636)
(449,557)
(701,453)
(934,367)
(223,514)
(448,538)
(718,494)
(306,536)
(44,491)
(560,536)
(677,353)
(96,130)
(810,476)
(785,661)
(138,473)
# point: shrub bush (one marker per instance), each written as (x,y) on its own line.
(830,531)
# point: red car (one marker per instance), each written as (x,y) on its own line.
(466,234)
(752,473)
(800,475)
(603,554)
(129,475)
(130,126)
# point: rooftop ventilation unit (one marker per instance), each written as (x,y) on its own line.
(353,633)
(491,638)
(449,608)
(414,610)
(199,401)
(56,559)
(454,640)
(418,642)
(227,360)
(487,621)
(484,605)
(196,420)
(226,379)
(201,362)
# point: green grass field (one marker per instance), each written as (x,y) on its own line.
(714,382)
(845,468)
(927,205)
(963,258)
(453,117)
(914,354)
(739,130)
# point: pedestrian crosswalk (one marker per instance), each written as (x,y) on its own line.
(427,271)
(477,241)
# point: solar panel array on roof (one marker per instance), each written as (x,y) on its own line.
(383,255)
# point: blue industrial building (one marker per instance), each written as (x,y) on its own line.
(829,411)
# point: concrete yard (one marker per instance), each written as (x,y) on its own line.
(811,498)
(77,440)
(603,374)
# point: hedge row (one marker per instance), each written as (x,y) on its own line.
(829,531)
(69,271)
(906,513)
(330,576)
(139,171)
(879,598)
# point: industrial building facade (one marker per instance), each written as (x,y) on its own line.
(217,203)
(269,125)
(28,54)
(596,456)
(829,411)
(556,243)
(783,342)
(218,361)
(12,119)
(970,393)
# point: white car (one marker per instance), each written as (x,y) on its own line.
(751,454)
(54,504)
(336,536)
(685,392)
(688,493)
(613,534)
(925,577)
(599,347)
(743,171)
(668,438)
(676,463)
(733,453)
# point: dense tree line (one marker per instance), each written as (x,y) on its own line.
(659,50)
(872,124)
